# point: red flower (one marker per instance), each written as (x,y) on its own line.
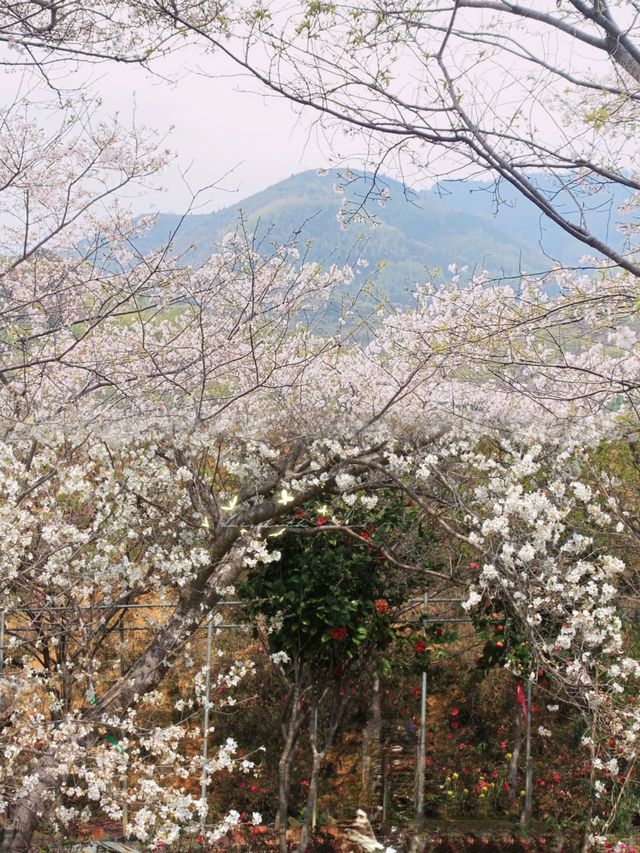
(556,777)
(473,566)
(500,644)
(300,513)
(455,711)
(321,519)
(365,535)
(381,606)
(338,633)
(419,647)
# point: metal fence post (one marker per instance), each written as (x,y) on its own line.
(205,731)
(422,738)
(1,643)
(125,781)
(528,798)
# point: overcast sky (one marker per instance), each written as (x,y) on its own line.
(221,126)
(216,125)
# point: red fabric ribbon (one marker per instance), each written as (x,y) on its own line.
(521,700)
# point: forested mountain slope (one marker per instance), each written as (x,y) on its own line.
(415,235)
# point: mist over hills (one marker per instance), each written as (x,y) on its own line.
(417,233)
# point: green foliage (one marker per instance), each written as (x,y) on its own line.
(320,598)
(503,639)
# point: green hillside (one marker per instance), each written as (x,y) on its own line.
(413,236)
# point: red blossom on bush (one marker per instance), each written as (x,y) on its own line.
(321,519)
(381,606)
(338,633)
(419,647)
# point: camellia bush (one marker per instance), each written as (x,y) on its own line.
(328,610)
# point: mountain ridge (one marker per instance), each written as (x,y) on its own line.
(453,223)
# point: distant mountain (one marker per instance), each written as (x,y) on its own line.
(416,234)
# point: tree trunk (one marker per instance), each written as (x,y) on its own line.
(283,800)
(337,708)
(284,770)
(371,736)
(317,758)
(24,817)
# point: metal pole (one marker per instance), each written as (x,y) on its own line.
(205,731)
(314,810)
(422,739)
(1,643)
(386,788)
(125,781)
(528,798)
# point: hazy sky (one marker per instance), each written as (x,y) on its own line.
(217,125)
(222,128)
(220,125)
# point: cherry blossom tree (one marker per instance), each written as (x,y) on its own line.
(160,423)
(93,522)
